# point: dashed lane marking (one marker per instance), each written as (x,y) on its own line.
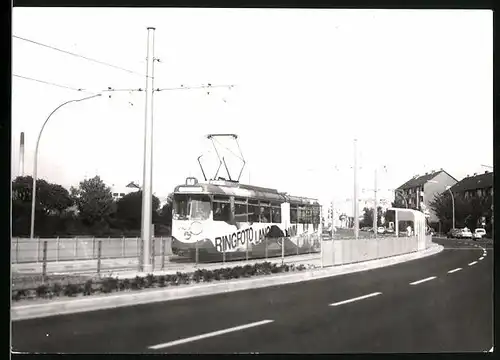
(473,263)
(207,335)
(481,258)
(423,280)
(454,270)
(355,299)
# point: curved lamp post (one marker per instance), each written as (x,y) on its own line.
(35,162)
(452,204)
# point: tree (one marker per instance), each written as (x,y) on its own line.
(368,217)
(95,202)
(468,212)
(129,210)
(51,200)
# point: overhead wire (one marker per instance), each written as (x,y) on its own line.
(78,55)
(53,84)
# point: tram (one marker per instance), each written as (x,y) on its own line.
(225,220)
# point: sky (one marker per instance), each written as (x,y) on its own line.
(414,87)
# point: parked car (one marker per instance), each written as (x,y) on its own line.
(454,234)
(478,234)
(380,230)
(465,234)
(389,231)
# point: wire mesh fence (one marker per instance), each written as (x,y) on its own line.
(80,248)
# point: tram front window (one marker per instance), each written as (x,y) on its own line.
(181,207)
(200,207)
(191,207)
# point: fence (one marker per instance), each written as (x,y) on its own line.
(347,251)
(85,248)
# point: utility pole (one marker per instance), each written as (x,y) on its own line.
(147,183)
(375,210)
(21,155)
(356,221)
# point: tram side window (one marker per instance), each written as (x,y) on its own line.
(253,211)
(265,213)
(221,210)
(240,212)
(293,214)
(276,214)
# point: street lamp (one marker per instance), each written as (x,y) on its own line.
(452,203)
(35,162)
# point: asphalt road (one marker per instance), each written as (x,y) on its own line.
(452,312)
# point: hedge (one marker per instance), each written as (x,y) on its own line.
(111,284)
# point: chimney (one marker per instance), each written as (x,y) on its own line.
(21,156)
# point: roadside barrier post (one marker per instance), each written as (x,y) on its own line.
(297,246)
(197,253)
(76,247)
(137,250)
(282,250)
(44,264)
(162,253)
(17,249)
(140,260)
(58,243)
(38,250)
(246,249)
(153,255)
(123,246)
(99,253)
(93,247)
(223,252)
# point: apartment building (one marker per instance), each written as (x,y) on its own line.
(420,190)
(476,185)
(120,191)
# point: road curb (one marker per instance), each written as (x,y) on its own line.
(25,312)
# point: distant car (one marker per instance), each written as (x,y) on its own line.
(465,234)
(478,234)
(454,234)
(389,231)
(380,230)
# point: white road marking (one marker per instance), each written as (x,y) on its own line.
(211,334)
(454,270)
(481,258)
(423,280)
(355,299)
(473,263)
(491,350)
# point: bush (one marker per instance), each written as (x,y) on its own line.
(248,270)
(208,275)
(182,278)
(197,275)
(237,272)
(19,294)
(56,289)
(172,279)
(87,288)
(161,281)
(109,284)
(71,289)
(124,285)
(300,267)
(41,291)
(150,281)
